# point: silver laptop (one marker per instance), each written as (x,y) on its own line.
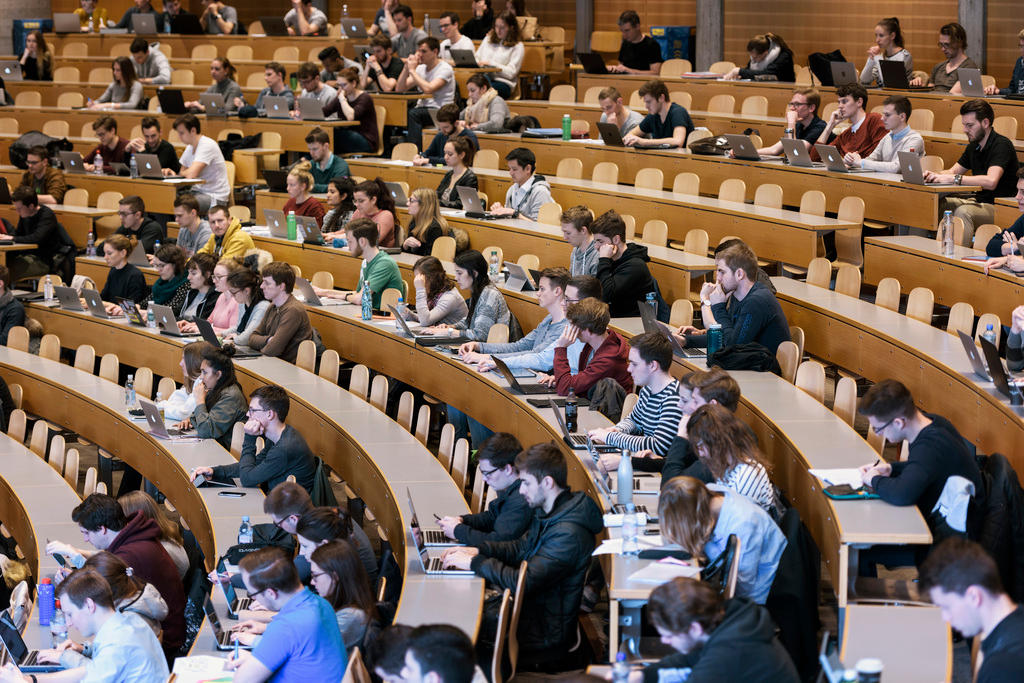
(843,73)
(207,332)
(397,193)
(519,278)
(910,167)
(144,24)
(222,637)
(72,162)
(353,28)
(431,565)
(308,230)
(305,293)
(66,22)
(425,339)
(970,82)
(743,147)
(472,204)
(156,423)
(277,107)
(166,321)
(797,153)
(235,604)
(213,104)
(138,256)
(68,298)
(149,166)
(10,70)
(974,355)
(577,442)
(276,223)
(95,303)
(611,136)
(431,537)
(310,109)
(833,159)
(651,324)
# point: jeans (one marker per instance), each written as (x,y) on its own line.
(419,118)
(468,428)
(503,88)
(347,141)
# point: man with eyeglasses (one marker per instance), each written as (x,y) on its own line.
(507,516)
(312,86)
(453,40)
(48,182)
(953,43)
(135,223)
(901,138)
(802,122)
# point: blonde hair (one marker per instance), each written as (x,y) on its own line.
(301,171)
(429,211)
(684,507)
(140,501)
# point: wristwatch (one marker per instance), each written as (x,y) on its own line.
(788,131)
(705,302)
(958,179)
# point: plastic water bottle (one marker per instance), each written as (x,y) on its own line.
(48,290)
(620,669)
(367,301)
(291,225)
(344,11)
(494,269)
(90,244)
(426,24)
(947,234)
(129,392)
(133,166)
(156,245)
(624,496)
(652,302)
(990,335)
(630,544)
(566,127)
(150,318)
(401,311)
(714,339)
(245,531)
(97,162)
(58,625)
(572,411)
(44,599)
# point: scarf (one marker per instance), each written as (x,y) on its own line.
(477,113)
(163,290)
(771,56)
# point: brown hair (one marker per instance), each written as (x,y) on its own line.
(463,148)
(118,575)
(340,561)
(888,400)
(957,564)
(270,568)
(609,224)
(956,33)
(225,64)
(106,123)
(193,354)
(544,460)
(172,254)
(86,583)
(716,385)
(980,108)
(676,605)
(121,242)
(579,216)
(281,273)
(512,37)
(684,507)
(590,315)
(286,499)
(892,25)
(740,257)
(127,75)
(655,88)
(728,440)
(812,96)
(901,103)
(653,347)
(140,501)
(762,42)
(307,70)
(438,281)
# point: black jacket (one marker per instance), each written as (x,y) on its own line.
(206,307)
(12,314)
(626,281)
(781,68)
(741,648)
(149,233)
(557,548)
(42,230)
(505,519)
(757,318)
(1002,523)
(467,179)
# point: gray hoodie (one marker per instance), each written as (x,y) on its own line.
(156,66)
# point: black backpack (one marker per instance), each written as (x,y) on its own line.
(820,64)
(20,147)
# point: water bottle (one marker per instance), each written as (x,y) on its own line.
(160,403)
(58,625)
(150,318)
(367,301)
(156,245)
(90,244)
(48,290)
(97,162)
(129,392)
(571,411)
(990,335)
(44,600)
(566,127)
(869,670)
(714,339)
(652,302)
(291,225)
(620,669)
(947,234)
(344,11)
(624,496)
(401,311)
(245,531)
(494,269)
(630,544)
(133,166)
(426,24)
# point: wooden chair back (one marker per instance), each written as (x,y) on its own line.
(306,358)
(788,357)
(848,280)
(845,403)
(921,304)
(887,294)
(686,183)
(810,376)
(961,318)
(570,168)
(379,392)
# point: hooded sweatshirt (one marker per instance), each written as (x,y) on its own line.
(626,281)
(609,360)
(747,629)
(138,545)
(234,243)
(557,548)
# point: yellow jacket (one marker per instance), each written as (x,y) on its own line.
(235,243)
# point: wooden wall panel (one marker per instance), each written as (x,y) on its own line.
(656,12)
(1004,22)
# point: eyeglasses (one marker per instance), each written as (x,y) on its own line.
(125,214)
(487,473)
(250,411)
(316,575)
(879,430)
(570,301)
(945,46)
(218,277)
(794,105)
(279,522)
(158,264)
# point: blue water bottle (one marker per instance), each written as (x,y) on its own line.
(45,599)
(714,339)
(367,301)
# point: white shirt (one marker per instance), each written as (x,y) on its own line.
(443,95)
(463,43)
(215,175)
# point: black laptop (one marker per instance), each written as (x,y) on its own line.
(186,24)
(592,62)
(273,26)
(894,76)
(171,101)
(514,382)
(277,180)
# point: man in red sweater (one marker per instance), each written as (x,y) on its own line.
(866,129)
(604,353)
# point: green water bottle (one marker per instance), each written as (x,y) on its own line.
(566,127)
(291,226)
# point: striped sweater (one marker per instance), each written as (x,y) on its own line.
(653,422)
(751,481)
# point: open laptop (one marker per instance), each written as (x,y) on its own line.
(308,230)
(464,59)
(970,82)
(276,223)
(276,107)
(213,104)
(519,279)
(305,293)
(833,159)
(844,73)
(652,324)
(273,26)
(797,154)
(431,537)
(514,383)
(593,63)
(276,179)
(235,604)
(577,442)
(166,321)
(611,136)
(149,166)
(95,303)
(431,565)
(397,193)
(68,298)
(209,335)
(26,660)
(310,109)
(66,22)
(72,162)
(222,637)
(974,355)
(353,28)
(1000,377)
(425,339)
(172,101)
(144,24)
(138,256)
(131,311)
(157,427)
(472,204)
(433,28)
(894,76)
(743,147)
(910,167)
(186,24)
(10,69)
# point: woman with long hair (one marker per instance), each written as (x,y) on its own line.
(202,297)
(322,525)
(220,402)
(222,73)
(37,60)
(458,156)
(486,304)
(171,286)
(125,91)
(244,287)
(502,48)
(300,198)
(770,60)
(170,533)
(426,222)
(131,594)
(888,46)
(339,578)
(373,201)
(486,111)
(180,404)
(437,300)
(340,207)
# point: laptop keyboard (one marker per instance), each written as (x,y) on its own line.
(434,536)
(435,565)
(577,439)
(242,604)
(694,353)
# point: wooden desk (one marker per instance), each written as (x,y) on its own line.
(918,262)
(914,643)
(1006,211)
(77,220)
(11,246)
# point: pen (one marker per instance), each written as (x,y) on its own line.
(436,517)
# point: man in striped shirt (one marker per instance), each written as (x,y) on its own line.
(653,422)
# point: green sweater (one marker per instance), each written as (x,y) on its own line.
(335,168)
(382,272)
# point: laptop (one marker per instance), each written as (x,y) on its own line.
(149,166)
(213,104)
(471,203)
(276,179)
(276,223)
(305,293)
(166,321)
(397,193)
(464,59)
(131,311)
(277,107)
(433,28)
(577,442)
(138,256)
(66,22)
(72,162)
(431,537)
(513,381)
(235,604)
(797,153)
(273,26)
(844,73)
(651,324)
(974,355)
(970,82)
(519,279)
(611,136)
(743,147)
(425,339)
(209,335)
(26,660)
(832,669)
(593,63)
(186,24)
(910,167)
(431,565)
(308,230)
(894,76)
(157,427)
(649,485)
(95,303)
(222,637)
(353,28)
(1000,377)
(172,101)
(68,298)
(10,69)
(310,109)
(144,24)
(833,159)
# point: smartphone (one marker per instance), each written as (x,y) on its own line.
(60,559)
(652,532)
(231,494)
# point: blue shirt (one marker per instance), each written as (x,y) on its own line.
(761,543)
(302,643)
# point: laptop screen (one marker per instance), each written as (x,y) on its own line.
(417,534)
(13,641)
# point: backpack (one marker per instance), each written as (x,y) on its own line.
(20,147)
(820,64)
(749,356)
(710,146)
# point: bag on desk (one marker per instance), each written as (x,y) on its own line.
(749,356)
(717,146)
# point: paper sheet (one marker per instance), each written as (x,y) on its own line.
(838,476)
(664,570)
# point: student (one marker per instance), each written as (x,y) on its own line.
(36,225)
(603,354)
(12,311)
(901,138)
(170,531)
(1016,85)
(274,74)
(354,104)
(963,581)
(377,267)
(201,297)
(113,149)
(614,111)
(305,20)
(708,632)
(992,161)
(172,11)
(437,300)
(382,67)
(666,123)
(487,305)
(536,350)
(244,287)
(227,239)
(333,63)
(622,268)
(556,547)
(426,71)
(141,7)
(575,222)
(151,66)
(222,72)
(770,60)
(123,280)
(340,207)
(502,48)
(92,18)
(300,184)
(339,577)
(318,526)
(47,182)
(508,516)
(373,201)
(426,223)
(224,315)
(458,156)
(135,223)
(302,640)
(654,420)
(152,143)
(124,92)
(745,308)
(482,21)
(639,54)
(486,111)
(888,47)
(1008,241)
(37,60)
(453,40)
(802,122)
(448,128)
(866,129)
(180,404)
(701,517)
(193,231)
(383,21)
(171,286)
(286,324)
(325,164)
(529,190)
(202,159)
(220,402)
(131,596)
(438,653)
(406,36)
(313,87)
(219,18)
(953,43)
